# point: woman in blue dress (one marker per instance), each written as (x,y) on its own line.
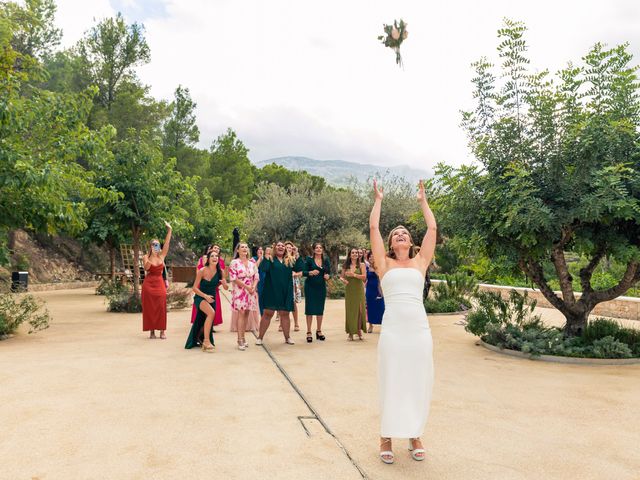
(373,295)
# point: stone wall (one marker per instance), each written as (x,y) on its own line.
(45,287)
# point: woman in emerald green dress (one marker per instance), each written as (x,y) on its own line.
(317,269)
(207,280)
(353,275)
(277,292)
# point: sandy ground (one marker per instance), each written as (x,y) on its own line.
(92,397)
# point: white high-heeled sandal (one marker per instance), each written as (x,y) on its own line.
(386,453)
(416,451)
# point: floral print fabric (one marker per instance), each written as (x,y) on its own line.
(247,274)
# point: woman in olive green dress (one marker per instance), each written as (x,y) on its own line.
(278,289)
(317,269)
(353,275)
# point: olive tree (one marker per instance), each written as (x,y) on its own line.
(558,169)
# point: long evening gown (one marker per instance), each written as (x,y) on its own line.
(154,300)
(194,310)
(315,286)
(375,301)
(278,284)
(405,359)
(209,287)
(354,305)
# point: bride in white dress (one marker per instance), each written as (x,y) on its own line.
(405,360)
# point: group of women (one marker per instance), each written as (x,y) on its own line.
(268,283)
(261,286)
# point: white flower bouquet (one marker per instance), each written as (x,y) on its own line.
(394,36)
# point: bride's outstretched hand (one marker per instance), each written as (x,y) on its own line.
(378,191)
(421,195)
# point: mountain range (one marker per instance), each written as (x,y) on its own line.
(341,173)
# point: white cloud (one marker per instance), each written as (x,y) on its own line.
(311,79)
(76,17)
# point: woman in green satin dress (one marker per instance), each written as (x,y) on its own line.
(317,270)
(277,291)
(207,280)
(353,275)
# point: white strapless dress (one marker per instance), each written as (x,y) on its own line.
(405,356)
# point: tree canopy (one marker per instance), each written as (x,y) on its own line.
(559,169)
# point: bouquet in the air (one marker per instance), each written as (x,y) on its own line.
(394,36)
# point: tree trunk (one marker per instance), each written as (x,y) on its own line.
(334,258)
(576,322)
(112,261)
(11,246)
(136,261)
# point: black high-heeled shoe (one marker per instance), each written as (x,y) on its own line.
(319,335)
(309,337)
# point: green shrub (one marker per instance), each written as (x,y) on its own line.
(124,302)
(335,288)
(110,287)
(21,262)
(630,336)
(457,286)
(600,328)
(178,297)
(511,324)
(17,309)
(447,305)
(493,310)
(609,347)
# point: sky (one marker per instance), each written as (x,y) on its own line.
(295,77)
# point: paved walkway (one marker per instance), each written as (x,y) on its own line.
(93,398)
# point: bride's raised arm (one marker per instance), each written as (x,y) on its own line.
(377,244)
(429,241)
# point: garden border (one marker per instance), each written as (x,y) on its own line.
(560,359)
(461,312)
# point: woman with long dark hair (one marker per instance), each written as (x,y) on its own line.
(154,290)
(217,320)
(405,359)
(278,289)
(204,287)
(316,270)
(199,266)
(353,275)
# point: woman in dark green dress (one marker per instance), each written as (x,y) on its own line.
(207,280)
(353,275)
(317,270)
(277,292)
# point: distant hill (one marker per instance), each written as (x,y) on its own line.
(339,172)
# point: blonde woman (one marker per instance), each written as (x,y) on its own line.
(405,359)
(243,274)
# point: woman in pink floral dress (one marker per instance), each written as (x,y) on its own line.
(243,274)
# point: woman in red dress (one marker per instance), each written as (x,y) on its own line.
(154,291)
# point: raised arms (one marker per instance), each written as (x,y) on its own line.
(377,243)
(429,241)
(167,240)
